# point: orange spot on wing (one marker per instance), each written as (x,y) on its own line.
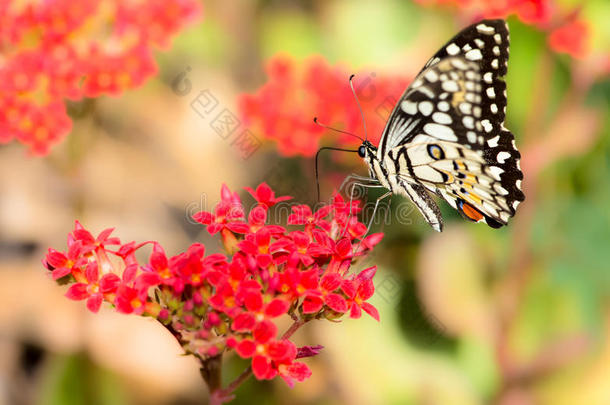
(471,212)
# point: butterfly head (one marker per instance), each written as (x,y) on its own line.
(366,149)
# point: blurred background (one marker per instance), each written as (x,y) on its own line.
(473,315)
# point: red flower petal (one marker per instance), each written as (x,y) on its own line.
(109,283)
(238,227)
(299,371)
(330,282)
(336,302)
(94,302)
(300,238)
(264,331)
(344,248)
(276,307)
(130,272)
(349,288)
(243,322)
(103,237)
(264,260)
(263,237)
(91,272)
(214,228)
(371,310)
(367,274)
(60,272)
(257,216)
(77,292)
(253,301)
(366,290)
(282,351)
(312,304)
(261,367)
(372,240)
(246,348)
(56,259)
(84,236)
(146,280)
(158,259)
(231,342)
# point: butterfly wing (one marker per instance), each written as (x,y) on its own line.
(447,131)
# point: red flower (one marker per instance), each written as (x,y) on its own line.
(257,311)
(293,371)
(302,215)
(273,358)
(265,196)
(282,110)
(358,291)
(57,50)
(294,283)
(571,38)
(324,295)
(160,265)
(228,214)
(257,245)
(294,248)
(338,250)
(224,300)
(89,242)
(214,303)
(95,288)
(62,264)
(132,292)
(268,355)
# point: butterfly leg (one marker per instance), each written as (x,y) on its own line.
(368,227)
(383,197)
(362,179)
(351,197)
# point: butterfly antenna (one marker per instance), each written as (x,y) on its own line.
(315,120)
(317,173)
(351,84)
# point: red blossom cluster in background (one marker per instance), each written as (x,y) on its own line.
(218,302)
(282,110)
(567,31)
(52,51)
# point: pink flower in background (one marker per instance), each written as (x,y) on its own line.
(213,303)
(61,50)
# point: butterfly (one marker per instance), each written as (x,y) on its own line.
(446,134)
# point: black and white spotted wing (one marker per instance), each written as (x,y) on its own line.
(446,134)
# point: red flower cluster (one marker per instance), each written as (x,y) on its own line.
(567,33)
(572,38)
(57,50)
(214,303)
(283,108)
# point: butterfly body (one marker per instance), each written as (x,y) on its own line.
(446,134)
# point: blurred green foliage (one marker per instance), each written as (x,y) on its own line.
(77,380)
